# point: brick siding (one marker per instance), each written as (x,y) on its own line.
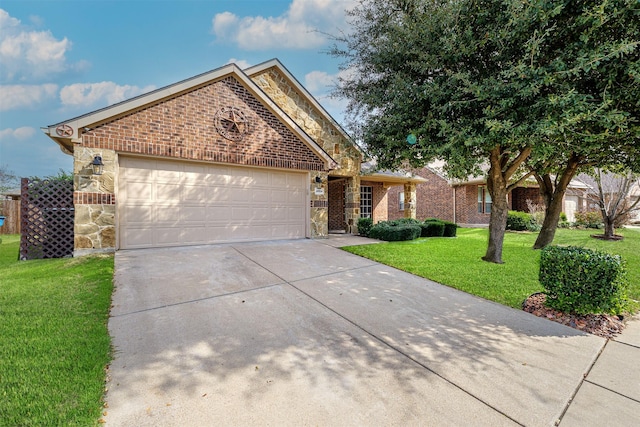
(183,127)
(434,198)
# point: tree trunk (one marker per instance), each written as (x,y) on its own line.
(553,197)
(497,187)
(549,226)
(609,229)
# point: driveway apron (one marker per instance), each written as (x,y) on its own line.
(298,332)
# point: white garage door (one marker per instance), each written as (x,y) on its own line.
(169,203)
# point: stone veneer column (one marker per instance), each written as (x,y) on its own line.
(352,204)
(410,200)
(319,205)
(94,202)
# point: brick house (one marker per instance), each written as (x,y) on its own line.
(229,155)
(468,202)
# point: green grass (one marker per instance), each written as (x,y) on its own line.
(456,262)
(54,343)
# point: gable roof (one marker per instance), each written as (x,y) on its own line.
(70,131)
(275,63)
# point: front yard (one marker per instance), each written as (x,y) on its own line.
(456,261)
(54,344)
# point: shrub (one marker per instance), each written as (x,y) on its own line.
(432,228)
(582,281)
(364,226)
(393,231)
(521,221)
(589,219)
(450,229)
(563,217)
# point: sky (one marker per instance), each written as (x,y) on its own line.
(61,59)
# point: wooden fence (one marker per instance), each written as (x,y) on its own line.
(11,210)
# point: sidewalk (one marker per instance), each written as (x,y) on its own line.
(610,394)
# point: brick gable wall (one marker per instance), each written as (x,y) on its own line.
(184,128)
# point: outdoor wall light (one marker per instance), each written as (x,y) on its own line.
(318,180)
(97,166)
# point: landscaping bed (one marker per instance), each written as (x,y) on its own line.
(602,325)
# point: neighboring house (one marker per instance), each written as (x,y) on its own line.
(226,156)
(468,202)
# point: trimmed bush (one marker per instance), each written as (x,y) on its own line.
(394,231)
(583,281)
(432,228)
(364,226)
(521,221)
(450,229)
(591,219)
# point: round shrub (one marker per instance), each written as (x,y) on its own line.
(432,228)
(450,229)
(520,221)
(393,231)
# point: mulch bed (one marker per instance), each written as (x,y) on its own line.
(602,325)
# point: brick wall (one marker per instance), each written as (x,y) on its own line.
(519,197)
(434,198)
(184,128)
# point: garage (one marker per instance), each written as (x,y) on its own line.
(176,203)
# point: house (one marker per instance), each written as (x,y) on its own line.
(468,202)
(226,156)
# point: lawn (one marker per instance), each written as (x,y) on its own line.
(456,262)
(54,343)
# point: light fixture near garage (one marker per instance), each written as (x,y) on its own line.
(318,180)
(97,167)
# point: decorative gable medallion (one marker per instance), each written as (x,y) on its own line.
(231,123)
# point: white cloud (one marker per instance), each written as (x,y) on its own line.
(300,27)
(26,54)
(240,63)
(105,93)
(13,97)
(20,133)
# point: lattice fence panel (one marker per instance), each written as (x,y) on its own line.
(47,219)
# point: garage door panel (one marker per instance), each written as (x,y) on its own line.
(194,214)
(172,203)
(195,193)
(142,191)
(138,214)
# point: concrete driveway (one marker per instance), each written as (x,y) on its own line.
(301,333)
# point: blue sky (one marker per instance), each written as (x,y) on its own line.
(60,59)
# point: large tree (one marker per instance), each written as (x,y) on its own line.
(471,80)
(590,57)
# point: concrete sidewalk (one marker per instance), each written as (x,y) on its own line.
(299,332)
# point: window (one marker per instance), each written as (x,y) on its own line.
(484,200)
(366,201)
(401,201)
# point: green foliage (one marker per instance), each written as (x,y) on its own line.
(54,342)
(583,281)
(364,226)
(432,228)
(588,219)
(521,221)
(450,229)
(393,231)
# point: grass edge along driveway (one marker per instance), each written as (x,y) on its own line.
(456,262)
(54,342)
